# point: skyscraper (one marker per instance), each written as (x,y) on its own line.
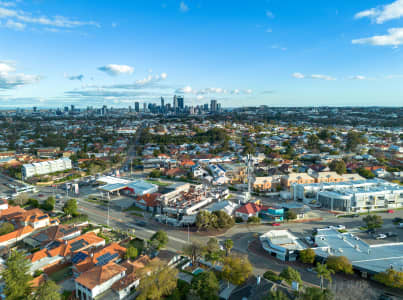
(136,106)
(144,107)
(162,103)
(175,103)
(181,104)
(213,105)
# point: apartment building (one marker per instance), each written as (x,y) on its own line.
(46,167)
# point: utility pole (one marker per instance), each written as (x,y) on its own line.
(188,234)
(109,200)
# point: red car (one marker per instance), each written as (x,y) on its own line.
(275,224)
(391,211)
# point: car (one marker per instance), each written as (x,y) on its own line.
(41,195)
(381,236)
(390,234)
(397,220)
(391,211)
(340,227)
(370,231)
(275,224)
(141,223)
(312,270)
(355,215)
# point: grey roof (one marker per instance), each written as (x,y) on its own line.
(370,258)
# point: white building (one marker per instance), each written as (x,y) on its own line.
(46,167)
(353,196)
(281,244)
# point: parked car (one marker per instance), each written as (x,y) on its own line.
(141,224)
(275,224)
(355,215)
(390,234)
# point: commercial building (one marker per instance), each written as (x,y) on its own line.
(368,259)
(46,167)
(352,196)
(281,244)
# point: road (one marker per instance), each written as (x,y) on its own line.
(242,235)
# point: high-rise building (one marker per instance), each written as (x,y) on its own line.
(181,104)
(34,109)
(72,107)
(213,105)
(66,109)
(136,106)
(162,103)
(144,107)
(175,103)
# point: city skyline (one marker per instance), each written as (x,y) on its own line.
(275,53)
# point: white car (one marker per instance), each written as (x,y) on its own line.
(381,236)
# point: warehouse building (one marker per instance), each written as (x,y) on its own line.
(353,196)
(365,258)
(46,167)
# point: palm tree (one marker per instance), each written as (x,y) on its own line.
(323,273)
(228,244)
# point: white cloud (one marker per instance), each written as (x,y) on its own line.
(185,90)
(278,47)
(6,67)
(322,77)
(269,14)
(15,25)
(183,7)
(7,3)
(114,70)
(313,76)
(148,81)
(298,75)
(9,81)
(358,77)
(393,38)
(21,17)
(383,13)
(269,30)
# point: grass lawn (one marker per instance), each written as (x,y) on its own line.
(61,274)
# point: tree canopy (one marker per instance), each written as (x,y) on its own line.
(289,274)
(236,269)
(49,290)
(159,239)
(16,276)
(307,256)
(373,221)
(206,286)
(339,264)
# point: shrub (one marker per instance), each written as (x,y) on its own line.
(270,275)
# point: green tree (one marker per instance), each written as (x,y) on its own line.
(194,250)
(366,173)
(49,290)
(338,166)
(206,286)
(228,244)
(70,208)
(49,204)
(313,141)
(277,295)
(21,199)
(354,139)
(289,274)
(236,269)
(307,256)
(323,273)
(390,278)
(159,239)
(213,252)
(253,220)
(16,276)
(203,219)
(373,221)
(6,228)
(290,215)
(157,281)
(339,264)
(131,252)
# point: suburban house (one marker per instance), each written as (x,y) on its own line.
(327,177)
(248,210)
(299,178)
(52,233)
(98,280)
(62,251)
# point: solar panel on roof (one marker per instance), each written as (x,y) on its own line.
(80,256)
(106,258)
(78,245)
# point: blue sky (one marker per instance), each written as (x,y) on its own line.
(256,52)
